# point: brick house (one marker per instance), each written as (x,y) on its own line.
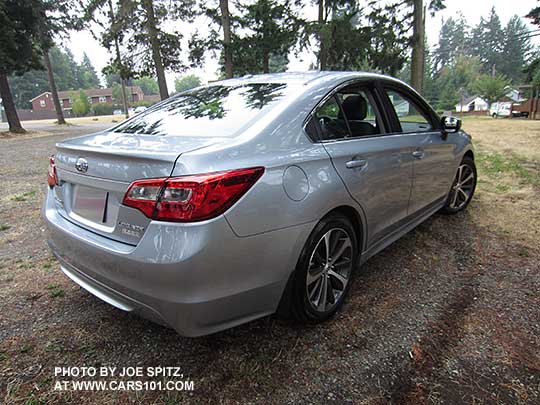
(44,102)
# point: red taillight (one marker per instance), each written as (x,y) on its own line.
(191,198)
(52,179)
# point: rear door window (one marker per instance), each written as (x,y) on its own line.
(331,122)
(359,109)
(350,113)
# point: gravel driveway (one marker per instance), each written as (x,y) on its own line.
(448,314)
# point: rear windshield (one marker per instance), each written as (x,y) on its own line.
(209,111)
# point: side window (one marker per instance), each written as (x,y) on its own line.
(358,108)
(331,122)
(411,117)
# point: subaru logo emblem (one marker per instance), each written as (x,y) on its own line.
(81,165)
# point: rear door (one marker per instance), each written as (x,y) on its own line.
(376,168)
(433,154)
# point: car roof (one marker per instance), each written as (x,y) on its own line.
(301,78)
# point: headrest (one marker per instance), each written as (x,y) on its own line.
(355,108)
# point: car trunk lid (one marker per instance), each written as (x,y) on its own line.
(95,171)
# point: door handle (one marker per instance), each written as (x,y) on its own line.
(418,154)
(356,163)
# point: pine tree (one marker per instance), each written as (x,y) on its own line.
(20,23)
(452,42)
(271,30)
(486,42)
(87,77)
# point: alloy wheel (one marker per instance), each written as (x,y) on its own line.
(330,268)
(462,188)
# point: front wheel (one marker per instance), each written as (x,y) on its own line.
(463,187)
(324,270)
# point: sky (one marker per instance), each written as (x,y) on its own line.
(472,10)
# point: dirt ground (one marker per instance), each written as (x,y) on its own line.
(448,314)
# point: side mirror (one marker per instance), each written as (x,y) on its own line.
(450,125)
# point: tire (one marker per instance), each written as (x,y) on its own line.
(308,304)
(494,115)
(463,187)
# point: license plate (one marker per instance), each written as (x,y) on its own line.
(89,203)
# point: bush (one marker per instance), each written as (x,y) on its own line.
(142,103)
(81,105)
(103,109)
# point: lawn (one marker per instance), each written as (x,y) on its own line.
(448,314)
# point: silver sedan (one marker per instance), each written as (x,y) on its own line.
(251,196)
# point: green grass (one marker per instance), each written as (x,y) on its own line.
(494,163)
(55,291)
(25,348)
(23,196)
(4,227)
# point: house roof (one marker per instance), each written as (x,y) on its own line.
(469,100)
(90,92)
(98,92)
(36,97)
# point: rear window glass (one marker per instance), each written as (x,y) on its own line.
(221,111)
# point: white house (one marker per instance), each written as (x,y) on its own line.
(475,103)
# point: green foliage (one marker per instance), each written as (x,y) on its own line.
(86,76)
(186,82)
(20,23)
(147,84)
(67,73)
(453,81)
(387,51)
(271,28)
(516,49)
(491,88)
(128,26)
(534,15)
(81,105)
(117,94)
(499,50)
(112,78)
(262,34)
(103,109)
(143,103)
(532,71)
(452,41)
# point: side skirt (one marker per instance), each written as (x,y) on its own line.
(398,233)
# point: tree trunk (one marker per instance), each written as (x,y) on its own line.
(227,51)
(118,58)
(418,46)
(124,97)
(151,27)
(52,87)
(322,40)
(266,62)
(9,106)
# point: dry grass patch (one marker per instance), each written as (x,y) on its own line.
(508,161)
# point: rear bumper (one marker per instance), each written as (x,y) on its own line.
(197,278)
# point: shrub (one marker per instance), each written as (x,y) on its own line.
(103,109)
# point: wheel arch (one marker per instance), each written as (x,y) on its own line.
(353,215)
(469,154)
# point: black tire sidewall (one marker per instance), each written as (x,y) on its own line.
(301,308)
